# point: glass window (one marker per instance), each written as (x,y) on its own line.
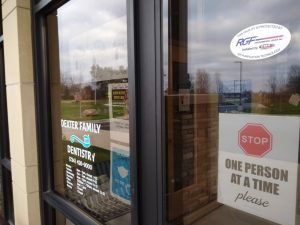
(89,101)
(231,91)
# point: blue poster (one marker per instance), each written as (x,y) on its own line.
(120,174)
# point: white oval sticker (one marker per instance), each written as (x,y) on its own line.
(260,41)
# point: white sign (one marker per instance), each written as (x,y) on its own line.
(294,99)
(258,161)
(184,100)
(260,41)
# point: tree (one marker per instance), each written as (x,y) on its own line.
(201,82)
(293,80)
(99,73)
(272,83)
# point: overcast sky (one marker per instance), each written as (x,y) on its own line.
(213,23)
(95,31)
(92,31)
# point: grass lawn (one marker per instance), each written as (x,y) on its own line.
(71,110)
(284,109)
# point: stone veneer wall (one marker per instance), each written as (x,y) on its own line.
(16,15)
(195,157)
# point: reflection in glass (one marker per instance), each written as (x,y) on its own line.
(90,117)
(203,80)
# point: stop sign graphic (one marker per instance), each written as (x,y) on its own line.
(255,140)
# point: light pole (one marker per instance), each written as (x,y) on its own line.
(241,68)
(96,93)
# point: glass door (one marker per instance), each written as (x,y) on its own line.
(231,99)
(83,100)
(90,108)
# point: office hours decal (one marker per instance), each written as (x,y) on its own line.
(97,154)
(80,160)
(258,161)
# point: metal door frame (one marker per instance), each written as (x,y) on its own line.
(146,114)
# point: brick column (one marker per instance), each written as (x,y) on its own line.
(21,110)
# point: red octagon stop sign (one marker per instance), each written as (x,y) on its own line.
(255,139)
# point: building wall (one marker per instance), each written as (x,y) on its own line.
(16,17)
